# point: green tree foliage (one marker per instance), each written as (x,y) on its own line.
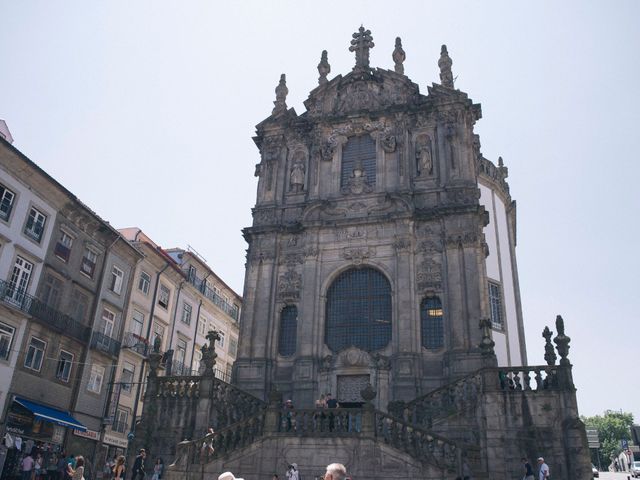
(612,427)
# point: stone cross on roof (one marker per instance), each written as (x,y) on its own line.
(361,44)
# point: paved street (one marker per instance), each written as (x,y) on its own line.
(614,476)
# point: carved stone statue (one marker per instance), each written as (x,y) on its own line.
(389,143)
(361,44)
(445,62)
(398,57)
(358,182)
(280,105)
(296,177)
(323,68)
(424,159)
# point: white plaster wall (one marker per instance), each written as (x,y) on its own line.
(486,200)
(508,286)
(501,347)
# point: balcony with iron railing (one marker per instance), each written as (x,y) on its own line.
(13,296)
(135,342)
(105,343)
(208,292)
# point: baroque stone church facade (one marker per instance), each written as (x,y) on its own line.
(381,268)
(373,254)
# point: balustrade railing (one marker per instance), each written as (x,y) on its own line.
(15,297)
(535,378)
(419,443)
(215,445)
(313,422)
(178,386)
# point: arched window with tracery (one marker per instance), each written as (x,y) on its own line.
(358,310)
(359,152)
(288,331)
(432,323)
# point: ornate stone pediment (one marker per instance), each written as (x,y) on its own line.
(289,285)
(429,275)
(354,357)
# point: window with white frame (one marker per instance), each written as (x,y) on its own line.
(179,357)
(202,326)
(7,198)
(186,313)
(121,421)
(116,280)
(89,260)
(107,321)
(19,281)
(233,346)
(6,340)
(220,341)
(34,228)
(96,378)
(144,282)
(137,323)
(495,304)
(62,249)
(126,379)
(191,273)
(163,296)
(158,332)
(35,354)
(65,362)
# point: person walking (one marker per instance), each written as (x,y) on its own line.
(543,469)
(528,470)
(335,471)
(27,466)
(158,469)
(77,472)
(119,468)
(138,465)
(292,472)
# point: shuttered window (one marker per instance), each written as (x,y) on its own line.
(359,151)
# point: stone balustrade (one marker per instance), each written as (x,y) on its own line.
(531,378)
(417,442)
(178,386)
(318,422)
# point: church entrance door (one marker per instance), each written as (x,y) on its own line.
(349,387)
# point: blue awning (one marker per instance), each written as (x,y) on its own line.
(51,414)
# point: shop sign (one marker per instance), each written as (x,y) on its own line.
(115,441)
(58,434)
(90,434)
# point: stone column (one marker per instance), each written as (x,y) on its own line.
(206,384)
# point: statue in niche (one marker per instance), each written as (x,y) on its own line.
(358,181)
(296,177)
(424,159)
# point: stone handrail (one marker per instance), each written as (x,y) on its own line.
(419,443)
(458,396)
(178,386)
(318,422)
(218,444)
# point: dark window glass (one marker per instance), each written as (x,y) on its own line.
(288,331)
(432,323)
(359,311)
(495,302)
(361,152)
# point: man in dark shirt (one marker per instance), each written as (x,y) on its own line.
(138,465)
(528,470)
(331,402)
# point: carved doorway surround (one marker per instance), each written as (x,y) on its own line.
(349,387)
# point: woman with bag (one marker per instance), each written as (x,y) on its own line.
(78,472)
(158,469)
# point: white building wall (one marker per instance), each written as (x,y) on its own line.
(499,267)
(14,242)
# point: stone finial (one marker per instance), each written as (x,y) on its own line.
(361,44)
(487,343)
(323,68)
(209,354)
(549,354)
(562,342)
(281,96)
(446,76)
(398,57)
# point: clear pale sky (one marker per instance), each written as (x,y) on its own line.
(146,110)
